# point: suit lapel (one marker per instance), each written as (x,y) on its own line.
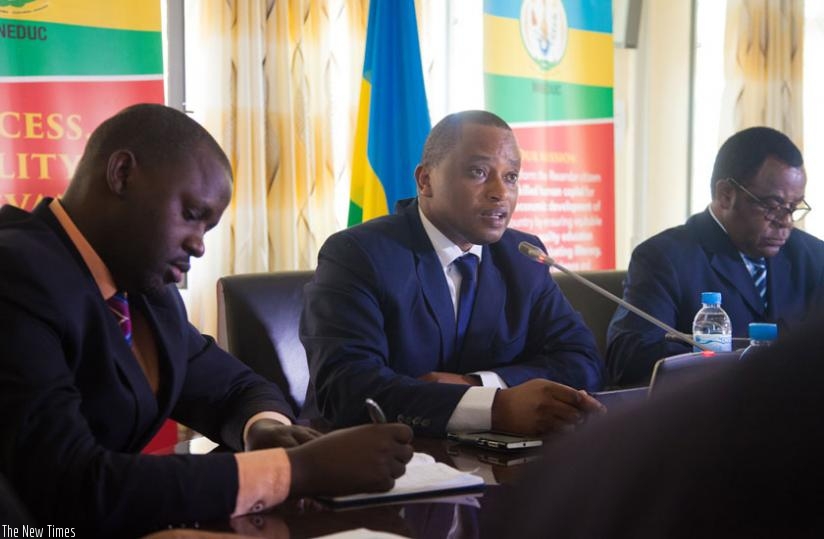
(168,371)
(727,263)
(436,294)
(778,283)
(736,274)
(433,283)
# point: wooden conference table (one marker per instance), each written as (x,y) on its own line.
(465,516)
(459,516)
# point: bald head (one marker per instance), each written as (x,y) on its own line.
(446,133)
(153,133)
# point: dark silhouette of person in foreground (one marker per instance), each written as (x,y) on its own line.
(736,453)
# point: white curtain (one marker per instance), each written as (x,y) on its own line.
(764,67)
(275,83)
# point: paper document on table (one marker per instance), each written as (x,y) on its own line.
(424,476)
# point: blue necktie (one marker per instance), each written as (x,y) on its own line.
(759,277)
(468,266)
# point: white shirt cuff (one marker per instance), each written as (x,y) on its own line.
(474,410)
(260,415)
(490,379)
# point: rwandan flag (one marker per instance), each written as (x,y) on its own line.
(393,119)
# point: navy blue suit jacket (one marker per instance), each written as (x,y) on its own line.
(77,407)
(668,272)
(378,314)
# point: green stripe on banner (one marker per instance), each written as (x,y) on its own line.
(48,49)
(518,99)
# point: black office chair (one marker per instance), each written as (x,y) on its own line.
(596,310)
(258,319)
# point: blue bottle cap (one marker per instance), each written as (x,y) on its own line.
(711,297)
(760,331)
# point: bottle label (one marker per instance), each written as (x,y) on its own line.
(714,341)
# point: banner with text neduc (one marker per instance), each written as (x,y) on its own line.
(548,71)
(65,66)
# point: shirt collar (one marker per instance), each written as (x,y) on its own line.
(744,257)
(714,218)
(445,248)
(101,274)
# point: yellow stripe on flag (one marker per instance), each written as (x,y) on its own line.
(116,14)
(587,60)
(366,191)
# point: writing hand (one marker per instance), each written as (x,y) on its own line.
(451,378)
(367,458)
(538,407)
(265,433)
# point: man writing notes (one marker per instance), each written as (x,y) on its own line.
(434,313)
(743,245)
(97,352)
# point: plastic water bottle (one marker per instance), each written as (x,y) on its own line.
(711,326)
(761,336)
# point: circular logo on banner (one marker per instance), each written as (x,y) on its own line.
(544,31)
(21,7)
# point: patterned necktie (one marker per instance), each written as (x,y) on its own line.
(759,277)
(119,306)
(468,266)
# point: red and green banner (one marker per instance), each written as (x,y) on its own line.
(65,66)
(548,71)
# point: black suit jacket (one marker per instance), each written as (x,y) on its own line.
(77,407)
(378,314)
(668,272)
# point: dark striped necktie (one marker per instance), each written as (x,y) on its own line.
(119,306)
(759,276)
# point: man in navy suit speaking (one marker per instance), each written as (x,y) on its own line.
(743,245)
(433,312)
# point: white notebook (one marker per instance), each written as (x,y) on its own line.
(424,477)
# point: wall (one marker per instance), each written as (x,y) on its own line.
(652,125)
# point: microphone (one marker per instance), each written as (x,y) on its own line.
(537,254)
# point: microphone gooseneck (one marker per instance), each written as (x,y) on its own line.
(537,254)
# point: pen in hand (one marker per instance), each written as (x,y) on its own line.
(375,412)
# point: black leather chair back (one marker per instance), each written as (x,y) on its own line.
(596,310)
(261,316)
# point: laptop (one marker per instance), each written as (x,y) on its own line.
(616,399)
(683,368)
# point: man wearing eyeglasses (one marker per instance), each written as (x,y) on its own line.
(743,245)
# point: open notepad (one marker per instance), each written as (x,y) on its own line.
(424,477)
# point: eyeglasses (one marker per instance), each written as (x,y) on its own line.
(776,212)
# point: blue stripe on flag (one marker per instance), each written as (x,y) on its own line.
(398,113)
